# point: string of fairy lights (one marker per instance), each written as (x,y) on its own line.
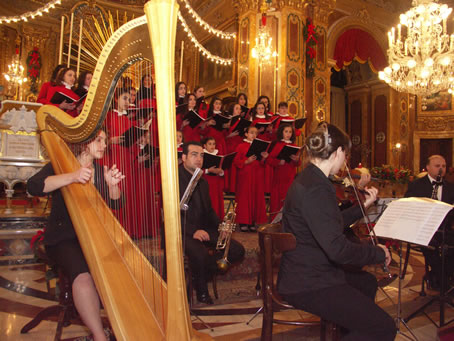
(31,15)
(200,47)
(207,27)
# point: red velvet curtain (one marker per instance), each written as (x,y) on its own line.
(360,45)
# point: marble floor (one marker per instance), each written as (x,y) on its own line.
(23,293)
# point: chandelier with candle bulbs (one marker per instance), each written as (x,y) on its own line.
(15,72)
(263,49)
(421,52)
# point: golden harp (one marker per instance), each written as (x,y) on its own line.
(139,304)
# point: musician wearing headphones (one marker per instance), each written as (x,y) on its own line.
(428,187)
(311,277)
(200,224)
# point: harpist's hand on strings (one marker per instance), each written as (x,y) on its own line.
(371,196)
(387,254)
(201,235)
(112,176)
(82,175)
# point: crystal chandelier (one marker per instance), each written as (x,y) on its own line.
(15,72)
(263,48)
(421,55)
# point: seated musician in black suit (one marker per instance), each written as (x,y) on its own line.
(200,224)
(424,187)
(60,240)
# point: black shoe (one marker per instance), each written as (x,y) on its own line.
(244,228)
(205,298)
(252,228)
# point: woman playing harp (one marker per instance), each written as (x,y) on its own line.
(62,245)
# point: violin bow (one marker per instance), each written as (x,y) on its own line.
(370,229)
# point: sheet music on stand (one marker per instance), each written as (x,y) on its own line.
(413,220)
(189,189)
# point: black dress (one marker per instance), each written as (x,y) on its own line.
(62,245)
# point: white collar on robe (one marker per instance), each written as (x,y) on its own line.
(215,152)
(67,86)
(121,113)
(260,116)
(246,140)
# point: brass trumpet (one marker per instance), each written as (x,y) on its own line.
(225,229)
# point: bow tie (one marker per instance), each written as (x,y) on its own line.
(439,183)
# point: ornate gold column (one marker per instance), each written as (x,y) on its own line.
(247,31)
(319,108)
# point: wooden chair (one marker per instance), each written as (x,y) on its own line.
(64,310)
(273,242)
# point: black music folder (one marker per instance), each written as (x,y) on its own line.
(287,151)
(257,147)
(244,109)
(182,108)
(219,161)
(210,160)
(131,135)
(299,122)
(260,125)
(242,125)
(220,121)
(227,160)
(60,97)
(194,118)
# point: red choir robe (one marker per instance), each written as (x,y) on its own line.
(216,188)
(285,119)
(193,134)
(42,96)
(116,124)
(147,216)
(283,176)
(232,143)
(250,192)
(63,89)
(267,136)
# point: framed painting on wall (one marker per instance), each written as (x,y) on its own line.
(216,77)
(436,104)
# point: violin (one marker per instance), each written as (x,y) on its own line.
(361,199)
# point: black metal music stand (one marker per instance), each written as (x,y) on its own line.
(442,299)
(398,319)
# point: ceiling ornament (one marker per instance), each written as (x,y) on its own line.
(421,52)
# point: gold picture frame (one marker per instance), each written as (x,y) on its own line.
(436,104)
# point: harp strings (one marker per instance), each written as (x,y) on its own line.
(136,155)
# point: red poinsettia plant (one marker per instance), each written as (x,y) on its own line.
(311,47)
(391,173)
(34,68)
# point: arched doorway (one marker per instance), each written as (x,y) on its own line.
(359,101)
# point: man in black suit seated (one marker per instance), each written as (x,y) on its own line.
(200,224)
(424,187)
